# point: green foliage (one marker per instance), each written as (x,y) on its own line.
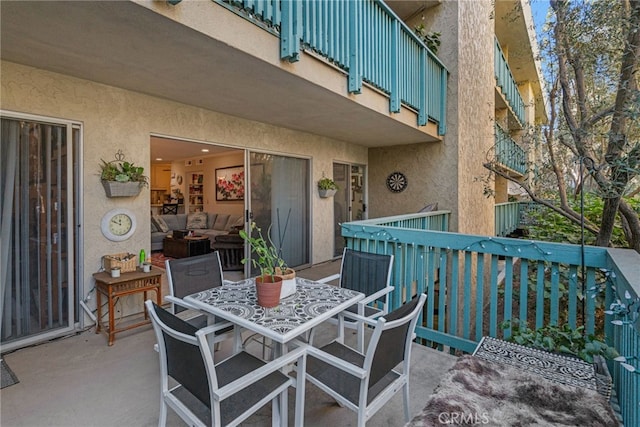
(327,184)
(122,172)
(560,339)
(553,227)
(267,255)
(430,38)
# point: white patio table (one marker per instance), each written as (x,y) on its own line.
(310,305)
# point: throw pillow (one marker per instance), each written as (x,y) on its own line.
(154,228)
(160,223)
(197,221)
(237,225)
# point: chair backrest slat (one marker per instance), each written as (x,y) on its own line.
(392,344)
(194,274)
(184,360)
(365,272)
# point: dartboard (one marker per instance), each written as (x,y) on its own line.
(397,182)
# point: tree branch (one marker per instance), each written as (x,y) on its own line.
(569,213)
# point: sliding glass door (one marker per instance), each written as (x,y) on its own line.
(349,202)
(37,233)
(279,201)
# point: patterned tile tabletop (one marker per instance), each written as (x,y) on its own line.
(311,304)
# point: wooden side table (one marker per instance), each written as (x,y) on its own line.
(127,284)
(187,247)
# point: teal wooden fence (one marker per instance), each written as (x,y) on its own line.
(506,82)
(365,39)
(473,283)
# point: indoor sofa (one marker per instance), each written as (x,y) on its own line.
(202,223)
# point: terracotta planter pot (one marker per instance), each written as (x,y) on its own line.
(268,290)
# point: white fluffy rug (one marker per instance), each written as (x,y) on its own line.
(479,392)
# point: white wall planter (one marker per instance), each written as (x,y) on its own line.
(327,193)
(122,189)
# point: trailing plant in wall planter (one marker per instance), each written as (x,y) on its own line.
(327,187)
(121,178)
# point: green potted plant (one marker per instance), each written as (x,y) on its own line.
(121,178)
(267,260)
(327,187)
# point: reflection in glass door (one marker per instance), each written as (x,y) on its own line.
(37,210)
(279,198)
(348,203)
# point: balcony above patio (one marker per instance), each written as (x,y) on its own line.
(236,59)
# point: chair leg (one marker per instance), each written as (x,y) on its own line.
(279,410)
(405,398)
(340,337)
(300,391)
(361,337)
(162,421)
(362,420)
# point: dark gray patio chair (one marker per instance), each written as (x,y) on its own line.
(364,382)
(206,392)
(191,275)
(370,274)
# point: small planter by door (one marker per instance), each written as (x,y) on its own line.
(268,290)
(327,193)
(121,189)
(288,282)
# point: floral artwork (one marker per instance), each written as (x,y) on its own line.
(230,183)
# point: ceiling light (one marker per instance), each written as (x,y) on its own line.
(205,150)
(158,158)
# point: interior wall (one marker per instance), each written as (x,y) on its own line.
(235,207)
(115,119)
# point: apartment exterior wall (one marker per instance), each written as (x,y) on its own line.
(114,118)
(446,172)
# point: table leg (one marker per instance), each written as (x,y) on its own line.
(99,310)
(112,322)
(159,294)
(144,298)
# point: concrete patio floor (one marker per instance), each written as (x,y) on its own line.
(80,381)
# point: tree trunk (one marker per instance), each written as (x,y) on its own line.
(633,224)
(609,212)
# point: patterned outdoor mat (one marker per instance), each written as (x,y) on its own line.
(554,367)
(8,377)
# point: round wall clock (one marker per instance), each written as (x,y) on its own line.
(396,182)
(118,224)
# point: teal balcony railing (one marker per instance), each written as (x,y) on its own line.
(473,283)
(365,39)
(509,153)
(507,218)
(506,82)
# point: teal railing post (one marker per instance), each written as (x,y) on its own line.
(394,96)
(423,112)
(442,123)
(290,30)
(355,73)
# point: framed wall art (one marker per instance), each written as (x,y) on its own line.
(230,183)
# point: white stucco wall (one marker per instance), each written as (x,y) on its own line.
(114,118)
